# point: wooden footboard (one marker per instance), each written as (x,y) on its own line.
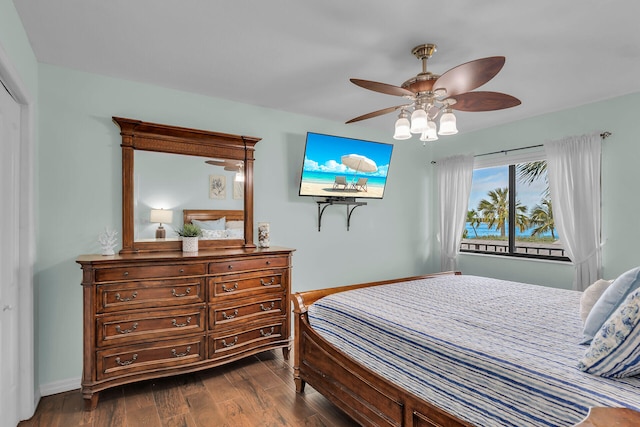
(364,395)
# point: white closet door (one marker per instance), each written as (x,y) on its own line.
(9,257)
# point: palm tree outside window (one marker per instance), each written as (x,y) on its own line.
(519,191)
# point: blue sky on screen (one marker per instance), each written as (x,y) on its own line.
(487,179)
(323,153)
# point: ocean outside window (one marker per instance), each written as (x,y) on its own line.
(510,213)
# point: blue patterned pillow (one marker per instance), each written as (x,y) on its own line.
(615,350)
(607,303)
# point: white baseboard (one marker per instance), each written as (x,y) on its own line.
(59,386)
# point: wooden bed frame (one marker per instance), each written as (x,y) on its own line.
(364,395)
(209,215)
(372,400)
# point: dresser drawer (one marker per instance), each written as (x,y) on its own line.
(149,357)
(149,272)
(149,324)
(148,293)
(245,284)
(247,339)
(235,312)
(231,266)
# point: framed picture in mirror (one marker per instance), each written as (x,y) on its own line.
(217,187)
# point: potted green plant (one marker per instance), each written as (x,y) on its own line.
(189,234)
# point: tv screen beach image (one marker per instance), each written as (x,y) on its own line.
(343,167)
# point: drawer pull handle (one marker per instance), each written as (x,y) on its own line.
(263,308)
(268,262)
(230,316)
(177,295)
(119,298)
(175,323)
(230,267)
(267,334)
(176,354)
(231,344)
(182,270)
(126,273)
(269,283)
(126,331)
(234,288)
(127,362)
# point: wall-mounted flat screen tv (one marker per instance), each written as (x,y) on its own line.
(339,167)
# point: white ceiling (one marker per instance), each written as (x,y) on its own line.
(298,55)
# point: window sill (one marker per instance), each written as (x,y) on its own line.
(561,261)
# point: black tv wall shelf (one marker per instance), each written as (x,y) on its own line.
(350,203)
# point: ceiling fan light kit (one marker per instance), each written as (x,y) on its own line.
(448,123)
(403,127)
(419,121)
(431,133)
(431,95)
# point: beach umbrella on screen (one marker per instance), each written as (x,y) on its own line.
(359,163)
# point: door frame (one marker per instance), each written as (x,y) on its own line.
(28,396)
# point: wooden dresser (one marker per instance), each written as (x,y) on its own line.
(164,313)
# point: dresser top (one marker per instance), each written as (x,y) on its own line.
(181,256)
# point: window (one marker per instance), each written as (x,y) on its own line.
(510,212)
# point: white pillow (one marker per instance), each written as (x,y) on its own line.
(591,295)
(615,349)
(216,224)
(234,225)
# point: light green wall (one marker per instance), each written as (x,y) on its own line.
(80,194)
(620,205)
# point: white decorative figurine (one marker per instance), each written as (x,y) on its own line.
(108,241)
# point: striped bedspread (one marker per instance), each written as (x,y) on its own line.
(491,352)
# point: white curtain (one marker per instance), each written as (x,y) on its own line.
(573,168)
(454,186)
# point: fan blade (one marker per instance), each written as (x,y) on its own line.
(469,76)
(377,113)
(216,162)
(382,87)
(229,165)
(484,101)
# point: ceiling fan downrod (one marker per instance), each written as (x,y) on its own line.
(423,52)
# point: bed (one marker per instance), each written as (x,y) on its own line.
(451,350)
(217,226)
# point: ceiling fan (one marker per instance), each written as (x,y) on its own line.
(229,165)
(430,95)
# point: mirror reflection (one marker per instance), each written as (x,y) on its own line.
(165,184)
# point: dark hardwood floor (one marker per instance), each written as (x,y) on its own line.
(256,391)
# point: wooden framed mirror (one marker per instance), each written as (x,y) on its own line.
(180,145)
